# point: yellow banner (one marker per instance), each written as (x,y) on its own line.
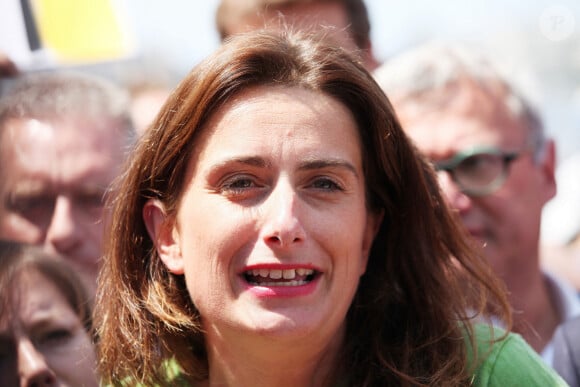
(77,31)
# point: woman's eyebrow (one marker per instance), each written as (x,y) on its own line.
(253,161)
(329,163)
(312,164)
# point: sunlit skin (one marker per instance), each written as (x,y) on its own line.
(54,177)
(45,343)
(277,184)
(505,223)
(145,105)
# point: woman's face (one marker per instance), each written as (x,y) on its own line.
(272,232)
(45,343)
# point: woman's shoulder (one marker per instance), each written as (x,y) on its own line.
(505,359)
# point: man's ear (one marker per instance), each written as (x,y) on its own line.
(548,165)
(162,234)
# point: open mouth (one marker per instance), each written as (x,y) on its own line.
(280,277)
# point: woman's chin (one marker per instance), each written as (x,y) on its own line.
(282,323)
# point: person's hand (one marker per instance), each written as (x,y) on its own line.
(7,67)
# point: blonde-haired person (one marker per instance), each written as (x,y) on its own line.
(276,227)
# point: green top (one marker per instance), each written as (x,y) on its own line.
(510,362)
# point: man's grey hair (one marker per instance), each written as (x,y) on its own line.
(430,70)
(62,94)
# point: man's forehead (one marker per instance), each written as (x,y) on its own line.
(74,122)
(14,130)
(38,136)
(441,134)
(468,98)
(36,157)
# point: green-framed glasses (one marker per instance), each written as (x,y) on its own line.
(478,171)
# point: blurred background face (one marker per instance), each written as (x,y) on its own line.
(303,15)
(329,16)
(45,343)
(54,177)
(505,222)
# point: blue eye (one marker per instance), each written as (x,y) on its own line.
(326,184)
(238,185)
(241,183)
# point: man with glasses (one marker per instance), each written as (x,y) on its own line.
(495,168)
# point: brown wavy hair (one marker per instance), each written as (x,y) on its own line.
(423,287)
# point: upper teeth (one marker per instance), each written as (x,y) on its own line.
(286,273)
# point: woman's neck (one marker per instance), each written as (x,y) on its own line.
(240,360)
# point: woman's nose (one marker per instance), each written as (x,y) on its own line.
(33,369)
(283,225)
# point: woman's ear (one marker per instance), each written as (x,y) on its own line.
(163,235)
(374,221)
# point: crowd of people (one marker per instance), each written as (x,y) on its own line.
(292,213)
